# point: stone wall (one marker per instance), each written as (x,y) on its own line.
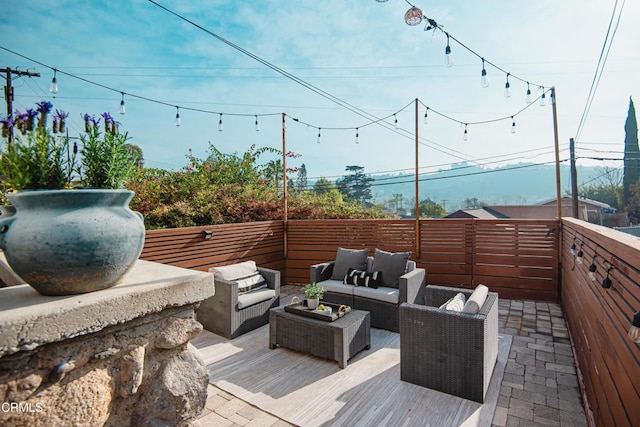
(123,370)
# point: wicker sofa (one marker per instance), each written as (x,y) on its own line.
(382,302)
(452,352)
(230,313)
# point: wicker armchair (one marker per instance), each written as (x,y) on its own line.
(229,314)
(452,352)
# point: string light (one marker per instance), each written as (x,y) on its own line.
(257,125)
(543,99)
(426,119)
(220,123)
(507,88)
(395,122)
(513,125)
(580,255)
(122,109)
(448,56)
(528,98)
(413,16)
(54,83)
(357,136)
(465,135)
(484,79)
(318,140)
(177,116)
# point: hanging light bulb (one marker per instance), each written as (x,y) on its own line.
(507,88)
(634,331)
(528,99)
(513,125)
(465,135)
(54,83)
(592,270)
(318,140)
(395,122)
(543,98)
(573,247)
(257,125)
(220,123)
(413,16)
(357,136)
(448,56)
(484,80)
(606,282)
(122,109)
(580,255)
(178,116)
(426,119)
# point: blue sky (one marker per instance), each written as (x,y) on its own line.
(360,51)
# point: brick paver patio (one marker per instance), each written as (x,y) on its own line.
(539,387)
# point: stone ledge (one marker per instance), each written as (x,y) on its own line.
(29,320)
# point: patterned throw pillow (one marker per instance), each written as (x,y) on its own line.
(251,283)
(362,278)
(456,303)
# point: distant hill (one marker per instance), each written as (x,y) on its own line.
(522,183)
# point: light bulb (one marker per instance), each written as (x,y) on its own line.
(465,135)
(257,125)
(177,117)
(318,140)
(543,98)
(426,119)
(395,121)
(122,109)
(513,125)
(634,331)
(592,270)
(357,136)
(580,256)
(573,249)
(220,123)
(606,282)
(54,83)
(484,80)
(448,56)
(528,98)
(507,88)
(413,16)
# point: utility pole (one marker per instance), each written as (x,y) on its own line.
(574,178)
(8,92)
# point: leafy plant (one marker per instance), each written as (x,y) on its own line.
(37,160)
(106,161)
(312,291)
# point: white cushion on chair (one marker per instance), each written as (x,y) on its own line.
(235,271)
(255,297)
(381,293)
(337,286)
(476,300)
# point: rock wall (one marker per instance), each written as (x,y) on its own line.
(141,373)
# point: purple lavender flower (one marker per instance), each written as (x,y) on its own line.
(108,120)
(44,107)
(60,116)
(7,124)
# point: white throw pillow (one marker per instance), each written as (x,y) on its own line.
(235,271)
(456,303)
(476,300)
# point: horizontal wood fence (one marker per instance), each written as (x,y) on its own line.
(517,258)
(599,318)
(187,247)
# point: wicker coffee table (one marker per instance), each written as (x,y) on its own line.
(339,340)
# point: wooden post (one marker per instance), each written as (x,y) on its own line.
(557,148)
(417,189)
(284,183)
(574,178)
(8,93)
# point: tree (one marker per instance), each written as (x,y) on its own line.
(631,155)
(323,186)
(606,187)
(301,179)
(137,152)
(356,186)
(430,209)
(472,203)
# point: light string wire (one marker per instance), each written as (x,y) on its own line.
(436,26)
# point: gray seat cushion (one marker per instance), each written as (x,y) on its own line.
(255,297)
(349,258)
(382,293)
(337,287)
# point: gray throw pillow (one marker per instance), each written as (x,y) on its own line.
(392,265)
(349,258)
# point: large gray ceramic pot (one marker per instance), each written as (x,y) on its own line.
(64,242)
